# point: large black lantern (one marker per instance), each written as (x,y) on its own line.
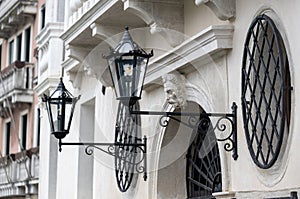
(60,107)
(128,64)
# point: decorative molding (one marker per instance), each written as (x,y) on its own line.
(163,17)
(44,58)
(205,46)
(15,13)
(223,9)
(224,194)
(47,46)
(90,17)
(46,85)
(51,30)
(72,68)
(87,62)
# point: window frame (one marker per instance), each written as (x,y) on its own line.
(6,138)
(42,18)
(19,40)
(25,48)
(27,43)
(21,130)
(11,51)
(37,129)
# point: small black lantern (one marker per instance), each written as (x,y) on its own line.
(60,107)
(128,65)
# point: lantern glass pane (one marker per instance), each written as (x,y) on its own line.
(140,72)
(115,75)
(61,111)
(127,76)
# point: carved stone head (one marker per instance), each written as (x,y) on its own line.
(175,88)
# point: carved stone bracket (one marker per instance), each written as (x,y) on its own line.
(223,9)
(77,53)
(105,33)
(164,17)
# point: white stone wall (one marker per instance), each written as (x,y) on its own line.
(211,63)
(246,176)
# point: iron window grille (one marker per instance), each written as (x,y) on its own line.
(266,91)
(203,174)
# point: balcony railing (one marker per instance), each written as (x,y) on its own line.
(19,173)
(77,8)
(14,13)
(16,84)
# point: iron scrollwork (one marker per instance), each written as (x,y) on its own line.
(224,123)
(126,161)
(129,149)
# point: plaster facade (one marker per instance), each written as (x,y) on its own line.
(203,41)
(19,137)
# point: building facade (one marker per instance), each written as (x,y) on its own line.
(20,122)
(207,55)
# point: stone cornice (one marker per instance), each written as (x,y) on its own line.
(51,30)
(46,85)
(203,46)
(15,13)
(87,19)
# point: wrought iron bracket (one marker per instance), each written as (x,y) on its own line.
(223,122)
(118,150)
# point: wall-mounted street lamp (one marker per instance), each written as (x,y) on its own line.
(128,65)
(60,107)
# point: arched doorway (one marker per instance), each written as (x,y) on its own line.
(189,162)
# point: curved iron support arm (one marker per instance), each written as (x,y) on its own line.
(223,122)
(115,149)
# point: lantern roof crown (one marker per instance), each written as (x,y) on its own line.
(127,45)
(61,91)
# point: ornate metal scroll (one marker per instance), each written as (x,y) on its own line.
(224,124)
(129,149)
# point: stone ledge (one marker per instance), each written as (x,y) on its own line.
(211,42)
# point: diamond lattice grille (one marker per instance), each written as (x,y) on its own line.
(264,95)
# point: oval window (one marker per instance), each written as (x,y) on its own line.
(266,91)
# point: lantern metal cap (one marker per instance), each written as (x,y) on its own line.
(126,39)
(63,92)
